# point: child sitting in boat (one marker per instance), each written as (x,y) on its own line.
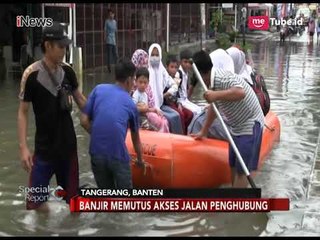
(151,118)
(185,68)
(185,114)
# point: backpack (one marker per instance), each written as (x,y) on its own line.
(260,89)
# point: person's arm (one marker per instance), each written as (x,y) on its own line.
(142,108)
(85,122)
(190,91)
(79,98)
(115,36)
(209,120)
(27,89)
(232,94)
(135,136)
(230,89)
(170,83)
(87,112)
(25,155)
(151,102)
(192,85)
(155,110)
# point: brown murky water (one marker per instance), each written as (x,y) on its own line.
(292,74)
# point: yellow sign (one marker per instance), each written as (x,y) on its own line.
(313,6)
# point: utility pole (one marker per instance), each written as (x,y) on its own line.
(203,23)
(235,17)
(244,17)
(168,27)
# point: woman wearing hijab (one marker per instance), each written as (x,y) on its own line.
(140,59)
(220,60)
(240,66)
(245,71)
(160,79)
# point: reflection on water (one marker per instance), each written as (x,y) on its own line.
(292,76)
(61,223)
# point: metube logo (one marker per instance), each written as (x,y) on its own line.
(258,22)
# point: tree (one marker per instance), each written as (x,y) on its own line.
(216,19)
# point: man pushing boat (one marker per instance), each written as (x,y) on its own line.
(242,113)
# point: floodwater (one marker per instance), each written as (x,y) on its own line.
(292,73)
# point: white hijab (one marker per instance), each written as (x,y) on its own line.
(156,77)
(221,59)
(240,66)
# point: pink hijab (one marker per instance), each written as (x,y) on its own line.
(140,59)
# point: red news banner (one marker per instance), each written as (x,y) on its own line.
(155,203)
(80,204)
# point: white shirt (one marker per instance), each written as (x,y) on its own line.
(140,97)
(183,90)
(183,99)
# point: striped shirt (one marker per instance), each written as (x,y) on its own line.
(240,116)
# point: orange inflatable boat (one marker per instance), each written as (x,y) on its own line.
(179,161)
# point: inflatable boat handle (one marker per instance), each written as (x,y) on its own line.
(271,129)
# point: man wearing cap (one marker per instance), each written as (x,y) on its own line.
(55,140)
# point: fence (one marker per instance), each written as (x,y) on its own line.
(139,25)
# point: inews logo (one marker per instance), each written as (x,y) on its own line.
(27,21)
(262,22)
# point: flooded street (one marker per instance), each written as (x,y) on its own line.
(292,74)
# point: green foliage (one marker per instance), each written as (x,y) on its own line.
(245,47)
(223,41)
(222,28)
(164,56)
(216,19)
(233,35)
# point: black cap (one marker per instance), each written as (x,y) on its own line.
(56,33)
